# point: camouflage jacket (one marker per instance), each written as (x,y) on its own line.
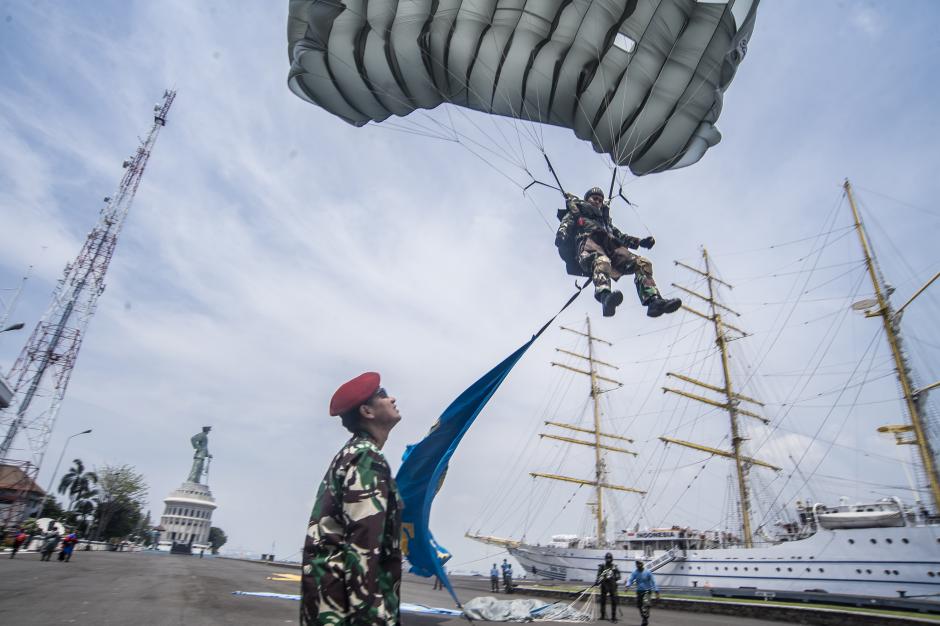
(352,554)
(581,220)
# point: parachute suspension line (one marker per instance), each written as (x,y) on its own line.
(562,612)
(424,131)
(501,150)
(551,169)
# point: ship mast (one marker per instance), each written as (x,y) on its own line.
(600,473)
(889,319)
(732,399)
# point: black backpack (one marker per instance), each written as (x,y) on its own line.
(568,249)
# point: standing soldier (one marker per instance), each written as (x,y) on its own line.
(592,246)
(494,579)
(507,576)
(607,576)
(645,585)
(352,555)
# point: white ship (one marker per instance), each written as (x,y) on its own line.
(884,548)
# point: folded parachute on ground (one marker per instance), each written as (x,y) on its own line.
(642,80)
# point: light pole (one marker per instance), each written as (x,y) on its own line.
(59,462)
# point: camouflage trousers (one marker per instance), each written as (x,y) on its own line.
(643,600)
(602,266)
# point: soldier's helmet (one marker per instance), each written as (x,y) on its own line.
(608,557)
(594,191)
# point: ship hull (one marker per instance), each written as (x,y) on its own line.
(885,562)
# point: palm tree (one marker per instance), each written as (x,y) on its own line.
(84,509)
(78,483)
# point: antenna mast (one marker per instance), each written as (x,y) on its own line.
(42,371)
(732,399)
(600,471)
(889,319)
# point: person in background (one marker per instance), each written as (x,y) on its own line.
(68,546)
(494,579)
(49,542)
(507,576)
(18,541)
(645,586)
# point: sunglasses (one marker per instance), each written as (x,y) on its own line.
(380,393)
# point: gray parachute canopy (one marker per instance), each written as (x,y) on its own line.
(642,80)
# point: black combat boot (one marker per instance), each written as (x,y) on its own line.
(657,305)
(610,300)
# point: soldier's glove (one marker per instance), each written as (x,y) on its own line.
(559,239)
(647,242)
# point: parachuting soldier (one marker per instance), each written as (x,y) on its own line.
(607,576)
(592,246)
(352,558)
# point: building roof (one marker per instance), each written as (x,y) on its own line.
(13,478)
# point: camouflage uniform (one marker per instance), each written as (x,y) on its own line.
(352,555)
(603,251)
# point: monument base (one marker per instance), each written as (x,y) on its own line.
(187,518)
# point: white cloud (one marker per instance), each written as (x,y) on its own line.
(274,251)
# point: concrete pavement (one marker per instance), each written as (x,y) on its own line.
(141,588)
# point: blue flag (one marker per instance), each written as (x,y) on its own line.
(424,465)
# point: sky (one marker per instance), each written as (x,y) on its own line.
(273,252)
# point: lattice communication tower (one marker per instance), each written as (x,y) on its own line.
(41,373)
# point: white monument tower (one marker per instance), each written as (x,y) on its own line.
(187,514)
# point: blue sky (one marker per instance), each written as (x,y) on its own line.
(275,251)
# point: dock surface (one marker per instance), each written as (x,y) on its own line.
(136,588)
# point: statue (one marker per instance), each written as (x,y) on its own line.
(200,442)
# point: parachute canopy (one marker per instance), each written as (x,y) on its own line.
(642,80)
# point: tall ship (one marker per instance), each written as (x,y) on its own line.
(869,546)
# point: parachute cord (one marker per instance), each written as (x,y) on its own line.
(635,211)
(551,169)
(538,182)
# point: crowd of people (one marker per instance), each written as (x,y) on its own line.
(48,542)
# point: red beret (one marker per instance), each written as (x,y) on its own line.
(354,393)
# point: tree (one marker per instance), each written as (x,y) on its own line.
(122,494)
(142,532)
(51,508)
(31,527)
(83,511)
(78,483)
(217,539)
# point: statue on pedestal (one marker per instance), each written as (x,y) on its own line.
(200,441)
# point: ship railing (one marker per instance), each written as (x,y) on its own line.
(658,562)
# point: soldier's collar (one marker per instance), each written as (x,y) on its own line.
(364,435)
